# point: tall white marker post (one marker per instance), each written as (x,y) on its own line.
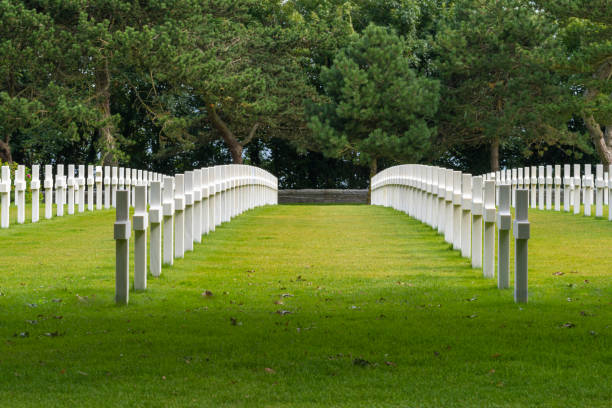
(527,179)
(477,208)
(81,184)
(99,187)
(114,183)
(212,201)
(489,230)
(179,216)
(122,248)
(588,190)
(128,184)
(457,210)
(521,235)
(534,186)
(504,223)
(59,191)
(466,208)
(549,187)
(541,187)
(48,184)
(168,206)
(441,174)
(434,197)
(514,184)
(141,222)
(577,189)
(218,195)
(609,181)
(205,201)
(606,188)
(155,217)
(448,229)
(188,214)
(35,189)
(197,205)
(91,176)
(567,187)
(107,187)
(20,189)
(558,187)
(5,193)
(71,184)
(599,185)
(121,185)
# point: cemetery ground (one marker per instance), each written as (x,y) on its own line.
(306,306)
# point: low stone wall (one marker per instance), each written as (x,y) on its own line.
(327,196)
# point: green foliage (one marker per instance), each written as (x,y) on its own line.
(379,107)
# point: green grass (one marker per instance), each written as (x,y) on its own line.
(382,314)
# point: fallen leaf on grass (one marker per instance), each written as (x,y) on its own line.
(52,334)
(587,281)
(286,295)
(82,372)
(471,299)
(496,355)
(472,316)
(283,312)
(269,370)
(32,321)
(56,300)
(22,334)
(207,293)
(390,364)
(568,325)
(278,302)
(559,273)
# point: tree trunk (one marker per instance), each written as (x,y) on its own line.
(106,138)
(232,142)
(373,171)
(5,151)
(495,155)
(600,139)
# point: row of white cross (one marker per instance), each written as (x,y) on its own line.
(74,190)
(456,204)
(185,207)
(580,186)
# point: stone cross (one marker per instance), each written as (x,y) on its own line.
(179,216)
(557,187)
(205,201)
(606,188)
(60,186)
(514,179)
(477,210)
(549,186)
(448,223)
(457,210)
(99,187)
(48,184)
(20,189)
(541,187)
(122,248)
(141,222)
(588,190)
(128,184)
(90,187)
(576,188)
(114,183)
(81,184)
(188,214)
(107,187)
(521,231)
(121,180)
(71,183)
(197,205)
(218,193)
(526,179)
(466,208)
(168,227)
(567,187)
(212,216)
(35,188)
(599,185)
(5,196)
(489,229)
(504,223)
(156,218)
(534,186)
(433,177)
(609,181)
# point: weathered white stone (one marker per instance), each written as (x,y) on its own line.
(48,184)
(188,214)
(212,199)
(114,184)
(5,197)
(477,211)
(489,230)
(60,186)
(81,187)
(448,229)
(549,186)
(141,222)
(155,218)
(71,184)
(606,188)
(20,189)
(521,232)
(205,201)
(441,174)
(99,193)
(577,188)
(534,186)
(121,181)
(168,227)
(527,180)
(179,216)
(541,188)
(122,248)
(219,195)
(567,187)
(466,209)
(599,185)
(504,223)
(588,190)
(107,187)
(35,189)
(457,210)
(558,187)
(128,184)
(197,205)
(91,176)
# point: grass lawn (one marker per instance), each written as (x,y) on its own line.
(311,306)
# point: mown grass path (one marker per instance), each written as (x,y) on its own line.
(310,306)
